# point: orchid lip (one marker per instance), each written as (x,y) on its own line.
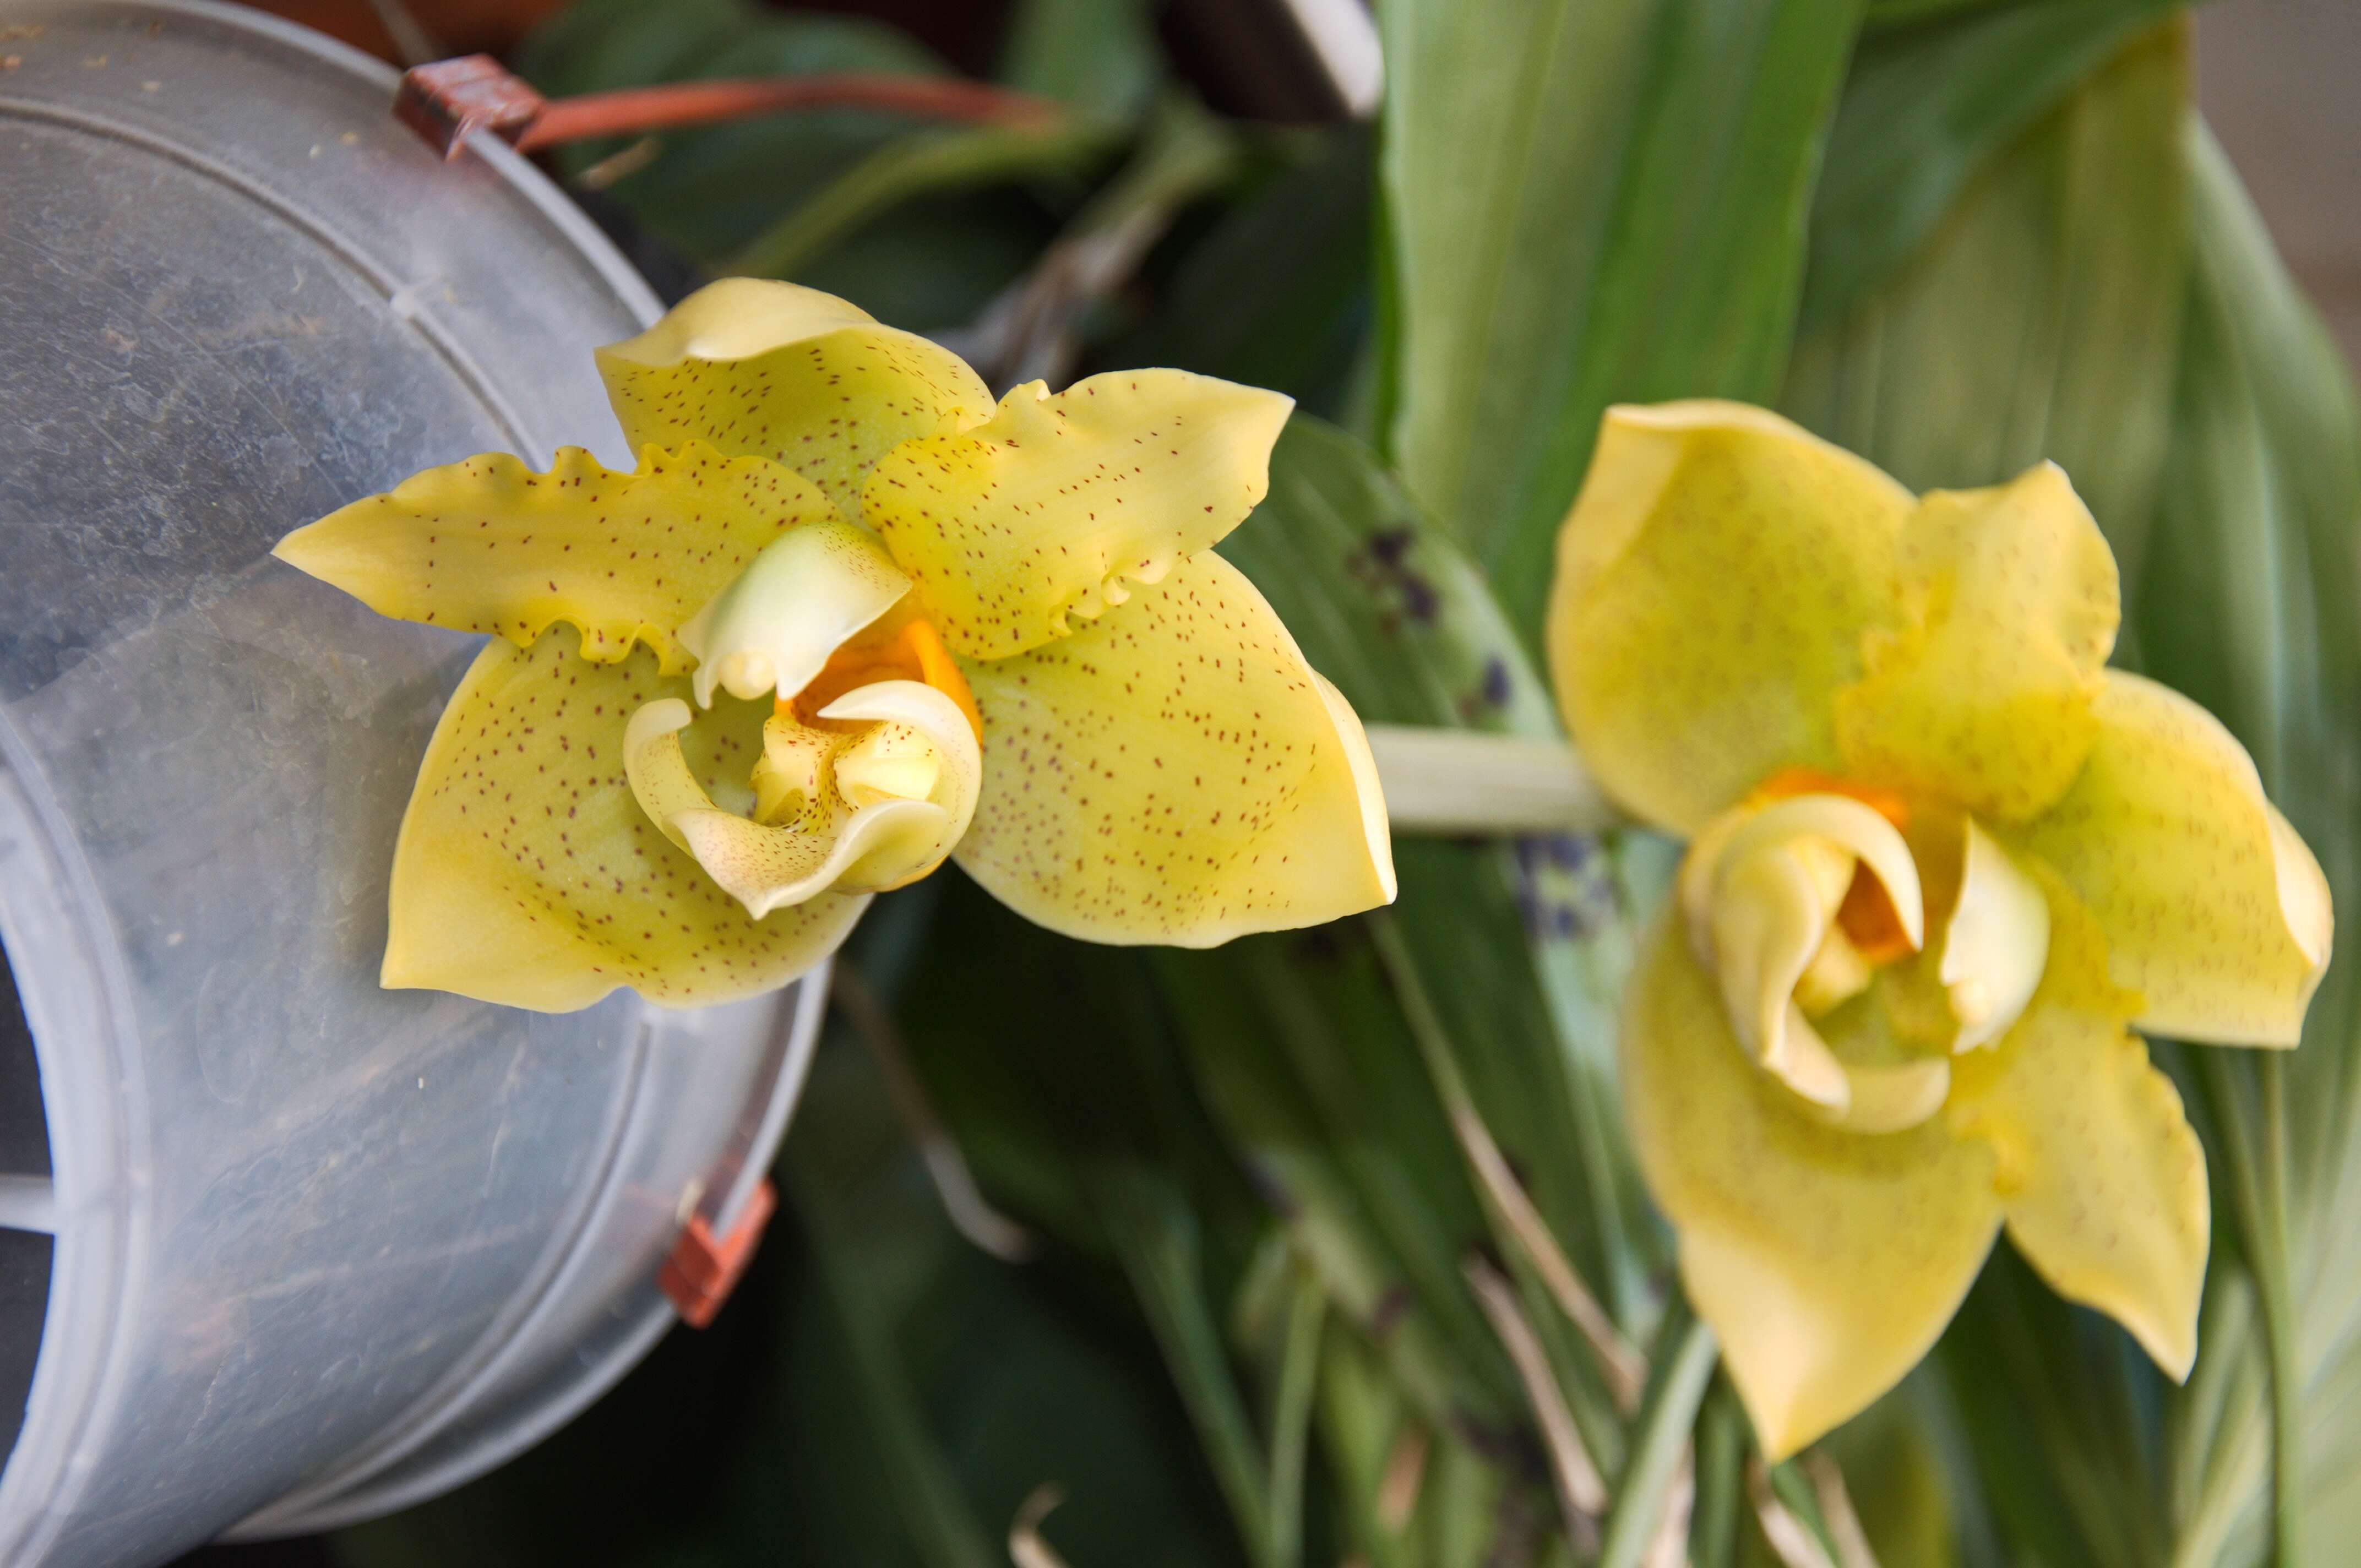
(1769,891)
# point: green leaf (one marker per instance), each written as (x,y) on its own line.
(1056,1067)
(1587,201)
(1686,1357)
(1322,1061)
(2052,1400)
(1277,292)
(2248,606)
(1319,1090)
(1926,108)
(920,163)
(2041,319)
(1099,56)
(1889,14)
(1385,607)
(934,263)
(711,188)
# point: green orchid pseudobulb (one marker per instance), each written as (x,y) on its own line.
(845,619)
(1941,861)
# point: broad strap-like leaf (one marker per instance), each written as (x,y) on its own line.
(1927,106)
(2040,319)
(1588,202)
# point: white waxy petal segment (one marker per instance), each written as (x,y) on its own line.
(866,838)
(489,546)
(772,868)
(1996,944)
(907,716)
(1894,1099)
(1760,891)
(775,370)
(1175,773)
(2215,912)
(1853,827)
(1056,503)
(658,771)
(1769,914)
(773,628)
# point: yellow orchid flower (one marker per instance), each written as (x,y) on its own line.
(847,618)
(1940,859)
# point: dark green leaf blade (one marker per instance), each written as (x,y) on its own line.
(1587,202)
(2043,317)
(711,189)
(1926,107)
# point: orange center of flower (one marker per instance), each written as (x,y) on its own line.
(900,645)
(1867,916)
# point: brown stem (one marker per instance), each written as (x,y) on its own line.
(634,109)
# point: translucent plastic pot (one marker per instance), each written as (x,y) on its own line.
(279,1249)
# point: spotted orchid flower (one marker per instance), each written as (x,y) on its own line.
(849,616)
(1940,860)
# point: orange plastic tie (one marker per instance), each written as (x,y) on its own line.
(701,1272)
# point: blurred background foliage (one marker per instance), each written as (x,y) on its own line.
(1324,1248)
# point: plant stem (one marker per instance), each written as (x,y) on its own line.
(971,1213)
(1155,1236)
(1465,781)
(941,1529)
(1290,1425)
(1665,1418)
(1441,1056)
(2278,1291)
(1720,1480)
(2258,1171)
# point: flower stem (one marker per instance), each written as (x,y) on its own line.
(1464,781)
(1441,1056)
(1290,1426)
(1665,1419)
(2278,1291)
(2258,1185)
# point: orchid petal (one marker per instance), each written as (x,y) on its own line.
(1175,773)
(527,874)
(1760,891)
(773,626)
(2213,909)
(880,841)
(1055,504)
(1714,579)
(1996,945)
(2101,1178)
(489,546)
(1826,1260)
(1982,692)
(769,369)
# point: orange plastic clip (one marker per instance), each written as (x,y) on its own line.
(701,1272)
